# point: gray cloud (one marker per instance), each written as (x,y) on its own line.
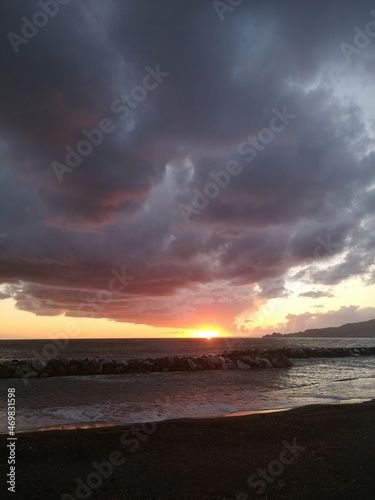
(316,294)
(120,205)
(348,314)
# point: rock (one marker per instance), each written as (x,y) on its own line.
(73,370)
(244,359)
(172,362)
(119,370)
(201,362)
(94,366)
(84,368)
(38,364)
(191,364)
(252,361)
(214,362)
(61,371)
(242,366)
(147,365)
(4,372)
(265,362)
(124,363)
(163,363)
(11,370)
(182,364)
(107,366)
(21,370)
(281,362)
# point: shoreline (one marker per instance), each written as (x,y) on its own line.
(209,459)
(81,426)
(118,426)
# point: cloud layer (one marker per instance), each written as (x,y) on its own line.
(302,205)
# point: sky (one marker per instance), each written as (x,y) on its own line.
(168,167)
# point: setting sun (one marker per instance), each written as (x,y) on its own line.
(207,334)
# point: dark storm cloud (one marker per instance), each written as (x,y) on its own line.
(120,205)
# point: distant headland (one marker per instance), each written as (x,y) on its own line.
(364,329)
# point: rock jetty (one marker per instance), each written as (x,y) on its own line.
(248,359)
(328,352)
(57,367)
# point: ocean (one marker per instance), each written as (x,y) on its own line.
(139,397)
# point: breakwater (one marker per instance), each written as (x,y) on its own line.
(248,359)
(328,352)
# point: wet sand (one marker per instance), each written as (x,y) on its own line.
(314,452)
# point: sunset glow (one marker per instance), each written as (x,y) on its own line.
(187,233)
(207,334)
(135,205)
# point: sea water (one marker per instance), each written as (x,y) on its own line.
(141,397)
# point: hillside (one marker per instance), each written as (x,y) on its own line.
(364,329)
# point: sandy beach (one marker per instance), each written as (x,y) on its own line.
(313,452)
